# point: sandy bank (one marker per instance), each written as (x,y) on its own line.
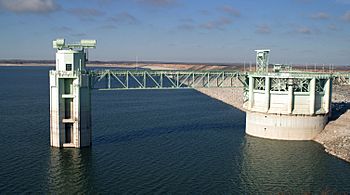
(336,136)
(233,97)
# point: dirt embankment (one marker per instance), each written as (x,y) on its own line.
(172,66)
(231,96)
(336,136)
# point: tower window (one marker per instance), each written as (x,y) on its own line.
(68,132)
(68,67)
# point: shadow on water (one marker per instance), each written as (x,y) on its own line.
(339,109)
(147,142)
(69,171)
(288,167)
(121,136)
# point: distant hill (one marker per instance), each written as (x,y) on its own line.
(17,61)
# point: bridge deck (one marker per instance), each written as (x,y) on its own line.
(164,79)
(108,79)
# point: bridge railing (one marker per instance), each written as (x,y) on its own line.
(165,79)
(109,79)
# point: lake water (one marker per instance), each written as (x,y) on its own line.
(151,141)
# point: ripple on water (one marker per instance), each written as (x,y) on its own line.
(171,141)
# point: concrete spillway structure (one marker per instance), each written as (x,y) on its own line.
(286,105)
(70,99)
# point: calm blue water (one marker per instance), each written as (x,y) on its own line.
(161,141)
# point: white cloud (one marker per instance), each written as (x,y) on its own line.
(87,13)
(333,27)
(263,29)
(304,30)
(320,16)
(124,18)
(159,3)
(218,24)
(230,10)
(33,6)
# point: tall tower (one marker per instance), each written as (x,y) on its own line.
(262,60)
(70,98)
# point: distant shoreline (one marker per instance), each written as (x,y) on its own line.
(155,66)
(28,64)
(159,65)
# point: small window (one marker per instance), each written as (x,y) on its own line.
(68,67)
(68,132)
(68,104)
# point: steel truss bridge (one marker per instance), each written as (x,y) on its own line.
(165,79)
(109,79)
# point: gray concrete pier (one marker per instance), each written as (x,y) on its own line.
(70,97)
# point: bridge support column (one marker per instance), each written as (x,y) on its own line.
(312,96)
(251,92)
(290,96)
(267,93)
(328,95)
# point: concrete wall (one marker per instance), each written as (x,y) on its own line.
(301,103)
(85,112)
(54,111)
(75,58)
(278,108)
(284,127)
(70,101)
(289,102)
(79,112)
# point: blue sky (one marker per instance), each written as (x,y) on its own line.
(223,31)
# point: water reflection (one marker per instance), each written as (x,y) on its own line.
(286,166)
(69,170)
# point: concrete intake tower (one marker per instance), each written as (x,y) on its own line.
(285,104)
(70,96)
